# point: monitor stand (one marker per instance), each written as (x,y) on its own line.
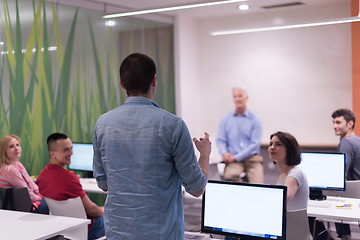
(316,194)
(88,174)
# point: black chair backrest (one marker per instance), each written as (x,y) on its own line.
(21,200)
(17,199)
(5,197)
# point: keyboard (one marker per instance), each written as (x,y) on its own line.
(196,236)
(322,204)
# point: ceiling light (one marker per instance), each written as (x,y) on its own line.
(244,7)
(54,48)
(301,25)
(110,23)
(1,43)
(171,8)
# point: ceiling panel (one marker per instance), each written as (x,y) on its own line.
(211,11)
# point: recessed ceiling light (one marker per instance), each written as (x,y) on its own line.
(244,7)
(110,23)
(53,48)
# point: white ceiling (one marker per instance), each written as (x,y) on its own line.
(204,12)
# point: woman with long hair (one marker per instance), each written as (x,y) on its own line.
(14,174)
(284,151)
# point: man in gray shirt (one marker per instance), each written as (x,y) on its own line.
(344,123)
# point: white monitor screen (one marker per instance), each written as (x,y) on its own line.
(324,170)
(248,211)
(82,157)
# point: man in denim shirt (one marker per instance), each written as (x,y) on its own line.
(142,156)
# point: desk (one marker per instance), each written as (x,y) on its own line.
(90,185)
(23,225)
(336,214)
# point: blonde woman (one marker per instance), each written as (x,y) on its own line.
(14,174)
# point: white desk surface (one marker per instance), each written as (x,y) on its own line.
(330,212)
(31,226)
(90,185)
(334,213)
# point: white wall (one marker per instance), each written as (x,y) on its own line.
(295,78)
(187,64)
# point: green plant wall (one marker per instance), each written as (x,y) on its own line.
(59,72)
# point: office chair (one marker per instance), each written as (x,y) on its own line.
(72,207)
(17,199)
(21,200)
(297,226)
(5,196)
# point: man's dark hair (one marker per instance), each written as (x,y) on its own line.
(51,140)
(136,73)
(346,113)
(292,147)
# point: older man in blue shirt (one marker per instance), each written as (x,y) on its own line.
(142,156)
(238,142)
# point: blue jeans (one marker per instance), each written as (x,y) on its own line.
(42,208)
(97,228)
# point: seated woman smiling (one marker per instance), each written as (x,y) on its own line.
(284,151)
(14,174)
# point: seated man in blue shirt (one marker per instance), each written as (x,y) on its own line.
(142,156)
(238,141)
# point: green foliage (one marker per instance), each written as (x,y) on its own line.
(42,94)
(65,90)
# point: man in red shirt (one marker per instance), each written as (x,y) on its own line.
(57,183)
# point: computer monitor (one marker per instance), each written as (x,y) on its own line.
(244,210)
(82,158)
(324,171)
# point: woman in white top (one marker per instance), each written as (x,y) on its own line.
(284,151)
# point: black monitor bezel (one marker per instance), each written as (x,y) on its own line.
(314,188)
(242,236)
(86,171)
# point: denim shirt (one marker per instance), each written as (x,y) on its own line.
(142,156)
(239,135)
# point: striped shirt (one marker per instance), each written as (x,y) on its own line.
(15,175)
